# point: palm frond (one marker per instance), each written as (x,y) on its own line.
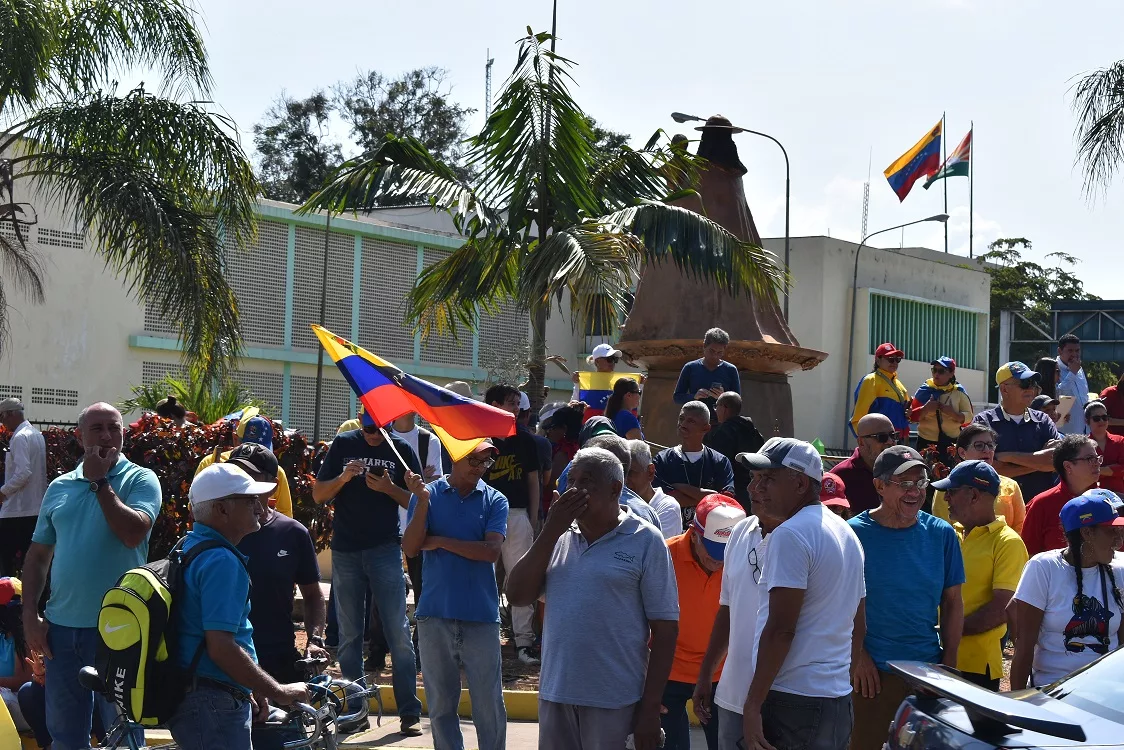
(1098,100)
(22,264)
(27,36)
(700,248)
(628,177)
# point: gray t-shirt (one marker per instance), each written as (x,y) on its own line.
(599,598)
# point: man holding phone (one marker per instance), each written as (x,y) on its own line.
(365,473)
(707,378)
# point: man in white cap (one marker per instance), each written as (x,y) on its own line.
(25,481)
(227,688)
(800,694)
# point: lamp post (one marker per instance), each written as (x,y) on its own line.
(942,218)
(680,117)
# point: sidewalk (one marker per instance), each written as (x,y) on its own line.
(521,735)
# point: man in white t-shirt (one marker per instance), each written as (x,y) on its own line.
(639,479)
(814,615)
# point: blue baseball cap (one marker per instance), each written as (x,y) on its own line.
(258,430)
(977,474)
(1090,509)
(947,363)
(366,420)
(1015,370)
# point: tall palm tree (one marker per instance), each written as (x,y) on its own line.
(1099,102)
(156,182)
(548,214)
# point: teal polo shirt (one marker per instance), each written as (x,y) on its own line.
(216,596)
(88,556)
(457,588)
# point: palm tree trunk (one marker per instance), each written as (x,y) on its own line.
(537,365)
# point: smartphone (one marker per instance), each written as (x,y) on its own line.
(378,471)
(717,385)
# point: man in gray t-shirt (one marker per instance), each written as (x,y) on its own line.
(609,586)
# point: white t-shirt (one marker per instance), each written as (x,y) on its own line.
(741,592)
(432,461)
(1049,583)
(816,551)
(669,512)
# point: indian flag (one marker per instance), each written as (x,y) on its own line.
(957,163)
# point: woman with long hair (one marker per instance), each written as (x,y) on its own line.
(1047,367)
(624,400)
(1109,447)
(1068,607)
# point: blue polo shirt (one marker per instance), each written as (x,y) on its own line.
(695,377)
(88,556)
(1027,436)
(215,596)
(457,588)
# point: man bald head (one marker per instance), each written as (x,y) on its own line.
(876,433)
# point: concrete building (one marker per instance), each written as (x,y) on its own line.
(91,341)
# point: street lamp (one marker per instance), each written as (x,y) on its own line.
(680,117)
(942,218)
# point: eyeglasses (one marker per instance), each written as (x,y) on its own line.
(895,360)
(939,371)
(477,463)
(882,437)
(250,500)
(1099,418)
(1090,459)
(983,447)
(755,564)
(920,485)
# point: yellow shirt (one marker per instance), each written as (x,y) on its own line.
(994,557)
(1008,503)
(284,499)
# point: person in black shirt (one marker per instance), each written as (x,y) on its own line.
(734,434)
(516,475)
(365,474)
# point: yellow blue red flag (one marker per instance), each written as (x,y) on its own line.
(387,393)
(923,160)
(594,389)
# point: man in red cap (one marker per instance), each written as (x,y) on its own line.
(697,556)
(833,494)
(881,392)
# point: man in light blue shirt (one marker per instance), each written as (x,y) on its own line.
(93,526)
(1073,383)
(458,523)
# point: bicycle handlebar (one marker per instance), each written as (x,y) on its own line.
(318,726)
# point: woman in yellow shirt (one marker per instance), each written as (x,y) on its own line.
(977,441)
(940,407)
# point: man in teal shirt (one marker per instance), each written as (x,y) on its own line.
(93,526)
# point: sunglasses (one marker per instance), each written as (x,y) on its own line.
(1099,418)
(882,437)
(939,371)
(1027,384)
(614,360)
(895,360)
(371,429)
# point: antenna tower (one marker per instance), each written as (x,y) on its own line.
(488,86)
(866,195)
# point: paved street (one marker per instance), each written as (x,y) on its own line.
(521,735)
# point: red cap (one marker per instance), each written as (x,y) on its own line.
(833,491)
(9,588)
(888,350)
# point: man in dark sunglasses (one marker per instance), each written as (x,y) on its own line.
(876,433)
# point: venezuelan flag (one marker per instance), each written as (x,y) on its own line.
(594,388)
(923,160)
(387,393)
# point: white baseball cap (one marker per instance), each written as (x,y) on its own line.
(604,350)
(524,401)
(787,452)
(223,480)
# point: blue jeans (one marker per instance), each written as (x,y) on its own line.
(445,646)
(70,707)
(211,718)
(380,569)
(676,723)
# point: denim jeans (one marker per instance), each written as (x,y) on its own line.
(380,569)
(210,718)
(70,707)
(445,646)
(797,721)
(677,725)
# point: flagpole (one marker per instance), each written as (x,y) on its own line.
(944,159)
(971,196)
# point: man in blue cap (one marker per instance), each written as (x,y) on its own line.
(994,557)
(257,430)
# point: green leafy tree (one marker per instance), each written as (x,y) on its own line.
(1098,100)
(156,182)
(548,216)
(209,400)
(296,154)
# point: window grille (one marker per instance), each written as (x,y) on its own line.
(924,330)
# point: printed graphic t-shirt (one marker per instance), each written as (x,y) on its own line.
(517,457)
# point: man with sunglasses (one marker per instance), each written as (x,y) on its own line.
(940,407)
(1078,464)
(914,572)
(977,443)
(457,524)
(1024,433)
(876,432)
(881,392)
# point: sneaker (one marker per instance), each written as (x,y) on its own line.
(526,655)
(410,726)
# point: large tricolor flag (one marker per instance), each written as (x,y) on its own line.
(387,393)
(957,164)
(594,389)
(923,160)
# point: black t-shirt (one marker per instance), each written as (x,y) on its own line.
(518,456)
(365,518)
(281,554)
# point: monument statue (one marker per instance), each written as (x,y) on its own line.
(672,311)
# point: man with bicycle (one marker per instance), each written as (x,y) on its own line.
(227,688)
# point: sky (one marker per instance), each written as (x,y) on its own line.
(843,85)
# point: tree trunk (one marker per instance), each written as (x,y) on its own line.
(537,365)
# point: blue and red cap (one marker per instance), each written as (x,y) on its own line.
(258,430)
(1090,509)
(977,474)
(947,363)
(1015,370)
(715,517)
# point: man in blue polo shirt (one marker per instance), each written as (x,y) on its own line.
(227,688)
(458,523)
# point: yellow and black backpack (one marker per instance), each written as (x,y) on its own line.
(137,638)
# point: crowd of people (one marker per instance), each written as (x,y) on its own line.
(729,572)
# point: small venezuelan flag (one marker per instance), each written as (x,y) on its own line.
(923,160)
(387,393)
(594,388)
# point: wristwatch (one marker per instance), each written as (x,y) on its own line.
(97,484)
(316,640)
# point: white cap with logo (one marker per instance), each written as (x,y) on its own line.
(786,452)
(224,480)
